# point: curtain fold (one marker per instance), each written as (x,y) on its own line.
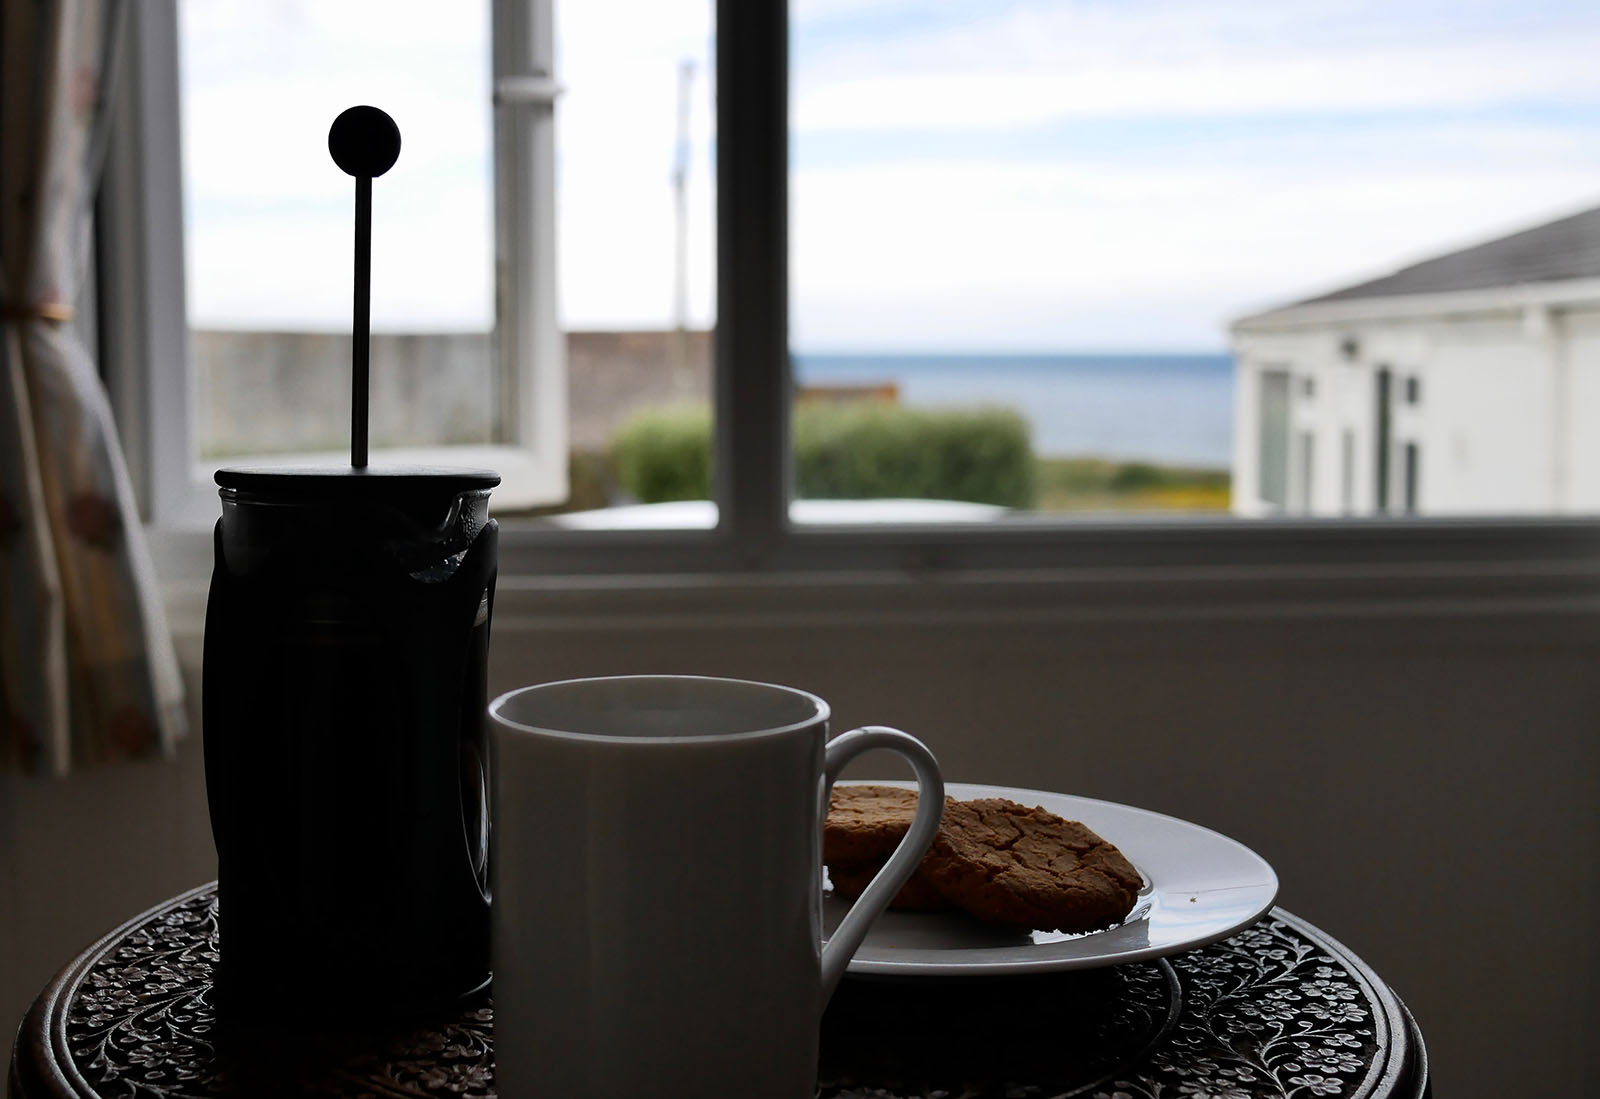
(87,670)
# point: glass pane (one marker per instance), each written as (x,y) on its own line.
(269,221)
(1383,439)
(636,229)
(1042,250)
(1273,478)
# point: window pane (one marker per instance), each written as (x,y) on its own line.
(1273,478)
(269,221)
(1347,472)
(1412,459)
(635,224)
(1044,254)
(1383,438)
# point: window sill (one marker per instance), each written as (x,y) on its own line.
(1147,582)
(851,514)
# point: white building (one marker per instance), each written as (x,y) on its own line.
(1464,384)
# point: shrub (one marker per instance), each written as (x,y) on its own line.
(665,454)
(868,450)
(1104,484)
(857,450)
(1136,476)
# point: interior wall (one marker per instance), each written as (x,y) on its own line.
(80,855)
(1427,793)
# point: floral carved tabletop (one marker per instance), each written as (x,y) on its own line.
(1277,1010)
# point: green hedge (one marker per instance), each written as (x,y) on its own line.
(665,454)
(857,450)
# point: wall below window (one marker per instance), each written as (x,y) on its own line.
(1423,776)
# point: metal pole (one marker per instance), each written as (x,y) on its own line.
(360,350)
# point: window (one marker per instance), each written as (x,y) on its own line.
(470,351)
(1307,480)
(1347,472)
(1382,438)
(977,272)
(635,230)
(267,226)
(1273,478)
(998,209)
(752,481)
(1411,474)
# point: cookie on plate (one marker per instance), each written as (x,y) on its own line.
(1010,864)
(866,823)
(864,826)
(916,895)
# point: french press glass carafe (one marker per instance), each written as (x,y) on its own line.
(346,639)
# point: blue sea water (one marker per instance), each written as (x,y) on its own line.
(1163,408)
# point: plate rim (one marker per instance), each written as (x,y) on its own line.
(896,968)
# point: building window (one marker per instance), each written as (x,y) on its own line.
(1412,472)
(1307,471)
(1347,472)
(1273,451)
(1413,390)
(1382,442)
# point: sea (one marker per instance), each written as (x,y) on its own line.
(1169,409)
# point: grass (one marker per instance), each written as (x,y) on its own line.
(1100,484)
(1062,485)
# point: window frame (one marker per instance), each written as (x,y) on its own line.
(143,311)
(753,476)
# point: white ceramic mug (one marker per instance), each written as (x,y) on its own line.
(657,876)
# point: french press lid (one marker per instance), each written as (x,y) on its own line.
(425,494)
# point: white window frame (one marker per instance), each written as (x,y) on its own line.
(754,536)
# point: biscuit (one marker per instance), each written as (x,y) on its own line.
(1009,864)
(866,823)
(916,895)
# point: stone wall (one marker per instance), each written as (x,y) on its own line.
(262,392)
(612,375)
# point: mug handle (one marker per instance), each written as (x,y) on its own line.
(847,937)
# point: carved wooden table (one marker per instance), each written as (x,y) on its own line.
(1278,1010)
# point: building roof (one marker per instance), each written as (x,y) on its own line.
(1568,248)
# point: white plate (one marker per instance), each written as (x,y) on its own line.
(1200,886)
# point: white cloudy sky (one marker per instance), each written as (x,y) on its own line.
(974,175)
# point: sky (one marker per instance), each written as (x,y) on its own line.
(984,175)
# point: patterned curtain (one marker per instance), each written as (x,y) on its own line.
(87,670)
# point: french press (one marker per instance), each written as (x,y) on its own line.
(347,634)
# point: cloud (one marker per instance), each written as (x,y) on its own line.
(617,135)
(294,270)
(1062,175)
(1038,63)
(270,214)
(1146,255)
(1019,173)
